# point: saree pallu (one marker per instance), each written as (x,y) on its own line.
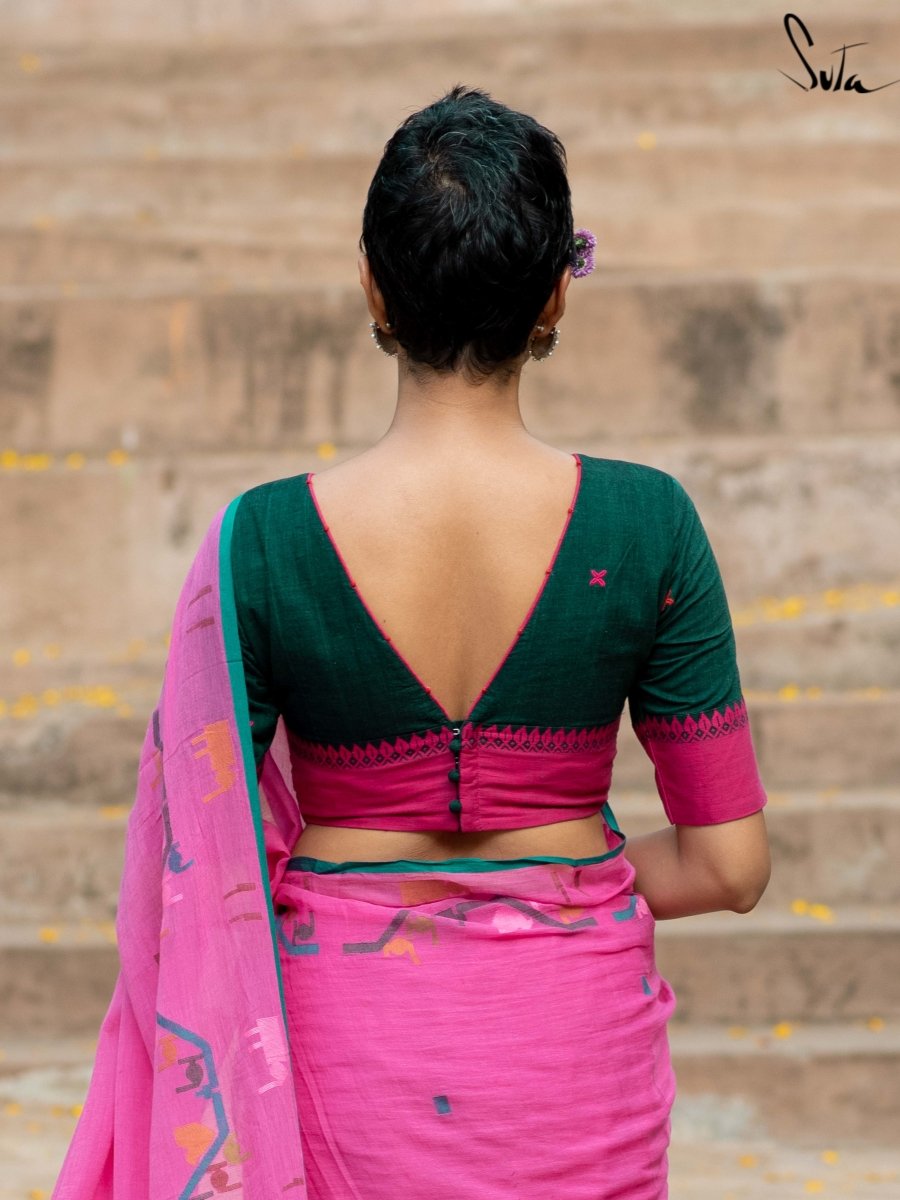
(476,1029)
(191,1094)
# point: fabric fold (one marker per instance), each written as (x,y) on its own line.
(191,1092)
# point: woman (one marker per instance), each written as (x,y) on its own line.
(425,652)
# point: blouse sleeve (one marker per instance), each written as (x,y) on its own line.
(686,705)
(249,577)
(264,711)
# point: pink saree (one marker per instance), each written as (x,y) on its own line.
(191,1094)
(459,1030)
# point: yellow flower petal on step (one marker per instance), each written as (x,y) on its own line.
(646,140)
(29,62)
(48,933)
(37,1194)
(793,606)
(814,693)
(800,907)
(114,811)
(58,1110)
(790,691)
(36,462)
(21,657)
(117,458)
(124,710)
(813,1186)
(890,598)
(830,1157)
(748,1161)
(326,450)
(33,1127)
(12,1108)
(821,912)
(76,1109)
(876,1024)
(784,1029)
(834,597)
(25,706)
(51,697)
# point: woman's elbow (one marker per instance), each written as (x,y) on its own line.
(745,893)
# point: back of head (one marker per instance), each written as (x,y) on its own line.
(467,227)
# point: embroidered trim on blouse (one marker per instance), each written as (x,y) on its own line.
(704,727)
(553,741)
(425,745)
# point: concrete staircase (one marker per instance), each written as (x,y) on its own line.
(180,195)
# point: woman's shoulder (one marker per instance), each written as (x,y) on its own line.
(630,480)
(273,492)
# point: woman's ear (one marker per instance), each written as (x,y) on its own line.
(556,304)
(374,298)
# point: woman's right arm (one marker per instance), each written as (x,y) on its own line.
(688,712)
(688,869)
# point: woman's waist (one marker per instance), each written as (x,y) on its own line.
(581,837)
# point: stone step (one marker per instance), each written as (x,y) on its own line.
(768,966)
(61,859)
(276,197)
(713,1153)
(840,647)
(229,23)
(103,256)
(684,361)
(824,1086)
(829,849)
(184,105)
(507,43)
(774,965)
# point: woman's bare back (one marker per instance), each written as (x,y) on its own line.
(449,562)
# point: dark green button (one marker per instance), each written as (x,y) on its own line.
(456,806)
(453,774)
(455,744)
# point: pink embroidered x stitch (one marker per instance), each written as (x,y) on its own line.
(597,577)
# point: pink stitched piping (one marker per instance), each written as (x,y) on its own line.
(519,631)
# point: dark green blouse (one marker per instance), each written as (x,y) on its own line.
(633,610)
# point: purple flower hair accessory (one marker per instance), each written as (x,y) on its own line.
(583,254)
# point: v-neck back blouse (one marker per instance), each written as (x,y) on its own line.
(632,609)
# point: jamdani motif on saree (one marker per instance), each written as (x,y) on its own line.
(500,1032)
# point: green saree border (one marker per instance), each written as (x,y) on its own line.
(237,681)
(395,866)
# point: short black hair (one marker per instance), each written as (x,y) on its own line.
(468,227)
